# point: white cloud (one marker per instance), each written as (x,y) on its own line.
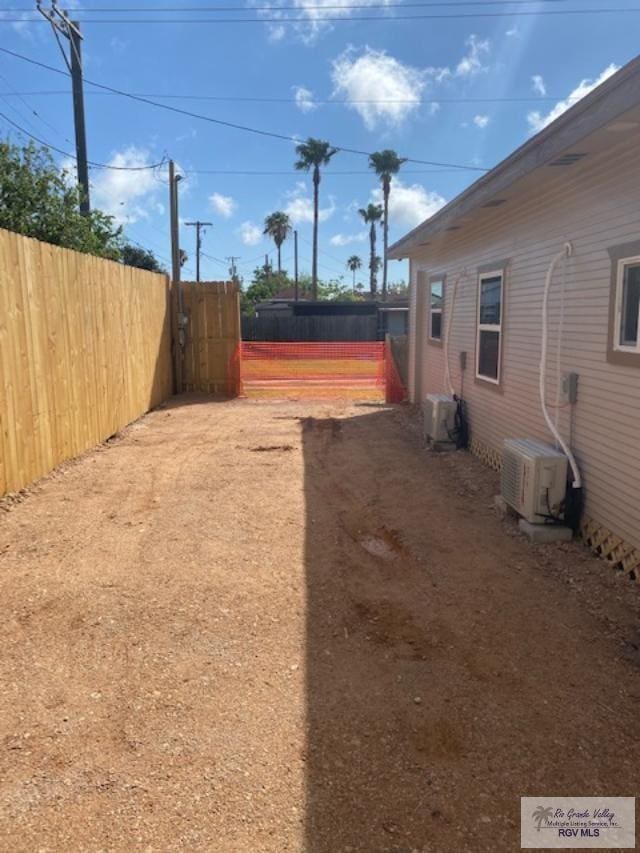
(379,87)
(223,205)
(481,121)
(127,195)
(347,239)
(469,65)
(250,233)
(21,23)
(118,45)
(538,85)
(276,32)
(190,133)
(299,206)
(514,31)
(304,99)
(311,16)
(537,121)
(409,205)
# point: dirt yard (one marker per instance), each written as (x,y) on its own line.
(258,626)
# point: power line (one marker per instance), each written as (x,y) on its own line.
(31,108)
(339,20)
(222,123)
(322,101)
(172,9)
(212,258)
(72,156)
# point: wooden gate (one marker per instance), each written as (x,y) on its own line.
(211,359)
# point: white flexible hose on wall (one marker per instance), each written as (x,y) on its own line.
(566,252)
(447,334)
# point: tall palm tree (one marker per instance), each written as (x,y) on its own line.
(278,226)
(385,164)
(371,214)
(354,263)
(312,154)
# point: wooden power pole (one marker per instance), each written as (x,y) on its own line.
(198,226)
(180,319)
(61,24)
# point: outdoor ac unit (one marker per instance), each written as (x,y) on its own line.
(439,417)
(534,478)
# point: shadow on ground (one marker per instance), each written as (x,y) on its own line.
(446,677)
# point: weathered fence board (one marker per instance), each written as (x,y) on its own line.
(211,355)
(85,348)
(267,327)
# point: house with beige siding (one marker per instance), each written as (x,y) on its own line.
(570,196)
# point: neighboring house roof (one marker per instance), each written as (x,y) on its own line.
(614,104)
(307,307)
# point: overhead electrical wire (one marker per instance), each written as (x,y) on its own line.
(320,101)
(221,122)
(73,156)
(31,109)
(392,4)
(348,19)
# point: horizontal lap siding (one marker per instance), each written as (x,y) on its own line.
(594,205)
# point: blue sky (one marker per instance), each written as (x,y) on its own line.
(412,85)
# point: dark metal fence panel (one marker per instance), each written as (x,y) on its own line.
(311,328)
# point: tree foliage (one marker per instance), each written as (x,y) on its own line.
(311,155)
(278,226)
(267,284)
(385,164)
(136,256)
(37,201)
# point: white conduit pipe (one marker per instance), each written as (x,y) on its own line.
(447,335)
(566,252)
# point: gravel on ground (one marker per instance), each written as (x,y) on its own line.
(269,626)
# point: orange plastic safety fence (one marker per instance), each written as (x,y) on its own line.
(314,369)
(395,392)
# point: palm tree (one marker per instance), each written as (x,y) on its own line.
(312,154)
(385,164)
(278,226)
(371,214)
(354,263)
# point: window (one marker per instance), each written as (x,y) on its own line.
(436,298)
(489,337)
(627,317)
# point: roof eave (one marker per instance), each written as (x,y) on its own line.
(611,98)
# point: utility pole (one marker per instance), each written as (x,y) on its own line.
(295,262)
(62,25)
(198,226)
(175,272)
(174,179)
(233,270)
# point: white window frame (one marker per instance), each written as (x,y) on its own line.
(433,311)
(490,327)
(617,330)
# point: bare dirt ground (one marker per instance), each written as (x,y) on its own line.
(258,626)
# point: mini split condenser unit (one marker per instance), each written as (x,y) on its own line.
(439,417)
(534,479)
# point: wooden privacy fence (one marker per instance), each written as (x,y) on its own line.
(85,348)
(211,361)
